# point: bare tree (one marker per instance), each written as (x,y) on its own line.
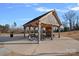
(77,23)
(69,16)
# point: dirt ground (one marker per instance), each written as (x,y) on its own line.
(53,46)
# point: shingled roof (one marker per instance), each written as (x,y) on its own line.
(37,18)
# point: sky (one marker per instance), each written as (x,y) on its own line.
(21,13)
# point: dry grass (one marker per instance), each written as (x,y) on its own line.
(72,54)
(72,34)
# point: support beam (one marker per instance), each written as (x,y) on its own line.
(24,31)
(39,32)
(59,32)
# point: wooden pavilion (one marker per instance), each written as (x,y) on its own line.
(47,21)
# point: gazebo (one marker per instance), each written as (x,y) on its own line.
(47,21)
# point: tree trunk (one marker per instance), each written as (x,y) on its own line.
(70,24)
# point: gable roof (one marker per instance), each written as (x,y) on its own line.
(37,18)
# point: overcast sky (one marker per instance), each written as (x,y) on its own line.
(22,13)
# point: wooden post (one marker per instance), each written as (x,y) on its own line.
(42,34)
(34,30)
(29,32)
(39,32)
(59,32)
(52,33)
(24,31)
